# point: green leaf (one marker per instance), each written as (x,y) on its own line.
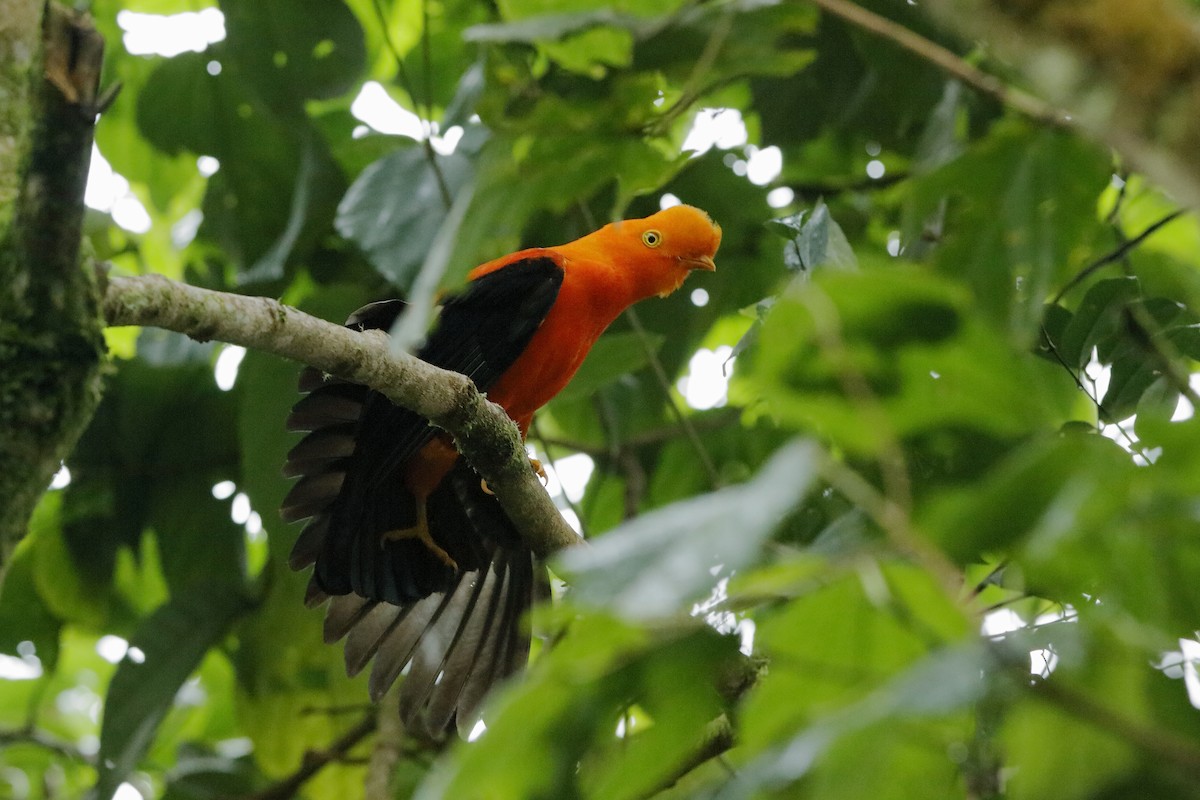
(942,683)
(1098,320)
(657,564)
(394,210)
(137,466)
(553,734)
(24,615)
(1035,492)
(754,38)
(815,242)
(545,27)
(914,344)
(941,141)
(613,356)
(872,624)
(1070,755)
(318,186)
(1022,218)
(171,643)
(295,50)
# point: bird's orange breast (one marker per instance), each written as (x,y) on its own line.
(554,353)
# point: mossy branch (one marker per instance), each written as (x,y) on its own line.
(51,345)
(482,431)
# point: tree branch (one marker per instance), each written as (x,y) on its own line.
(945,60)
(482,431)
(1127,70)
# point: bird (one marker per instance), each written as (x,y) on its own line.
(420,564)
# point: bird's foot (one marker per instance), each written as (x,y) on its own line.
(534,464)
(420,532)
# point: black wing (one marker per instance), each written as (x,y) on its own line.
(463,623)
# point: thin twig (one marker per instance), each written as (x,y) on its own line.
(893,466)
(1052,347)
(894,522)
(626,460)
(1117,254)
(315,761)
(1142,325)
(692,90)
(708,422)
(664,383)
(946,60)
(424,109)
(33,736)
(545,444)
(717,738)
(1161,743)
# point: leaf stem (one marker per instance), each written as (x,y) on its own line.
(1116,254)
(664,383)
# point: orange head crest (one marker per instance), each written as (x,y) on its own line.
(661,249)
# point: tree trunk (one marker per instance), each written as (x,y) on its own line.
(51,342)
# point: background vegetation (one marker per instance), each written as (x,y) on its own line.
(940,537)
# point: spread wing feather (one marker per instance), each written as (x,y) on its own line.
(398,603)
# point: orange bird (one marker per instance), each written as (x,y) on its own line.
(423,564)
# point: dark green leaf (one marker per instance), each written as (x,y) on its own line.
(396,207)
(295,50)
(1032,492)
(1098,320)
(815,242)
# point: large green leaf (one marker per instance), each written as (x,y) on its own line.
(899,347)
(295,51)
(613,356)
(24,615)
(659,563)
(397,206)
(165,650)
(553,735)
(1022,218)
(943,683)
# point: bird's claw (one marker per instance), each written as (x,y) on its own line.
(533,463)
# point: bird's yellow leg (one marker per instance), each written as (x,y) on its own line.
(420,532)
(537,467)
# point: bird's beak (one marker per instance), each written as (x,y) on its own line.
(703,262)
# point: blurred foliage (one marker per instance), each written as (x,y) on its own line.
(938,541)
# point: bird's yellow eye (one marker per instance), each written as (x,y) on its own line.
(652,238)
